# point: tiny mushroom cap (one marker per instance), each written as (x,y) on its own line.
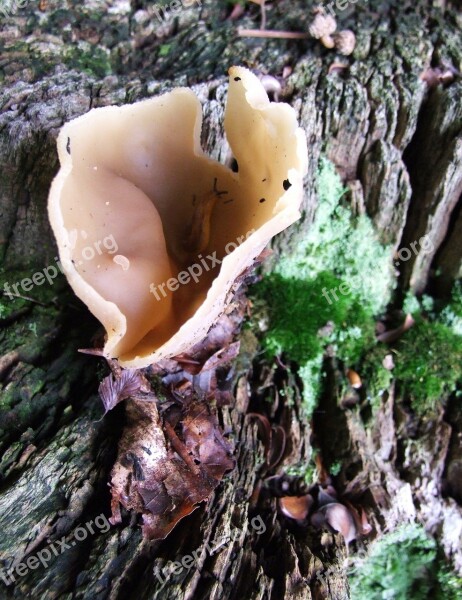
(345,41)
(337,517)
(271,85)
(152,233)
(296,507)
(354,379)
(322,27)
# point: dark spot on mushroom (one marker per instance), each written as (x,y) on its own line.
(286,184)
(263,180)
(262,200)
(216,190)
(234,166)
(237,79)
(68,145)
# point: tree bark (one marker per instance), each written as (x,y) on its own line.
(395,139)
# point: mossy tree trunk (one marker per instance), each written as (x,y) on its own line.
(397,143)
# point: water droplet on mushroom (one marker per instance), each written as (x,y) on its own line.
(122,261)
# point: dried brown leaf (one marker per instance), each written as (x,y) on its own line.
(164,476)
(118,387)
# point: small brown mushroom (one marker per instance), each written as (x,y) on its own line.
(322,28)
(354,379)
(337,517)
(345,42)
(296,507)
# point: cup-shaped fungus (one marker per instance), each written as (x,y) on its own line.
(182,226)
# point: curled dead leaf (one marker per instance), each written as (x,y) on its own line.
(273,438)
(164,476)
(121,385)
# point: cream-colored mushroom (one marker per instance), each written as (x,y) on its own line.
(137,174)
(322,28)
(345,41)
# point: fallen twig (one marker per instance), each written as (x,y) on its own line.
(289,35)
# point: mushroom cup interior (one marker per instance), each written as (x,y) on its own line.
(152,233)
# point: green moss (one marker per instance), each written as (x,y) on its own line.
(398,566)
(427,357)
(344,245)
(307,471)
(449,584)
(451,315)
(327,291)
(297,310)
(335,468)
(89,59)
(306,311)
(375,377)
(44,293)
(428,364)
(164,49)
(404,565)
(310,375)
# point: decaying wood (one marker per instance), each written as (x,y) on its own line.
(397,142)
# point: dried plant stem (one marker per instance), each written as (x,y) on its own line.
(29,299)
(263,15)
(289,35)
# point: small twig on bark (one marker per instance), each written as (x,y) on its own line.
(29,299)
(180,448)
(289,35)
(8,360)
(263,15)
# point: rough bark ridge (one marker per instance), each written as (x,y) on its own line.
(397,142)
